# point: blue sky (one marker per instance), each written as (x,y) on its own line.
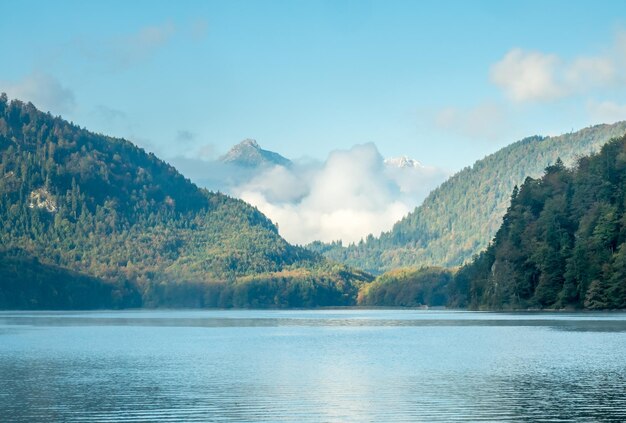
(443,82)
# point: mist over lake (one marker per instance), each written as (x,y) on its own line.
(312,366)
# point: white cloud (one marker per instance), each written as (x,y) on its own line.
(415,183)
(43,90)
(301,224)
(606,111)
(527,76)
(279,185)
(347,197)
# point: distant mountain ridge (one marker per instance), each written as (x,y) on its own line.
(248,153)
(461,216)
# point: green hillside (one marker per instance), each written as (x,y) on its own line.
(433,287)
(460,217)
(562,242)
(79,208)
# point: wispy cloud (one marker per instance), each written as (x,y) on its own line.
(606,111)
(485,121)
(43,90)
(535,76)
(525,76)
(142,44)
(126,50)
(109,114)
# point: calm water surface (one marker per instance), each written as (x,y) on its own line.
(312,366)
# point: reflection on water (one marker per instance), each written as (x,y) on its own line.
(312,366)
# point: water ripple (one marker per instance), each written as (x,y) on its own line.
(333,366)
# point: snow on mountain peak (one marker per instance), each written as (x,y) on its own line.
(403,162)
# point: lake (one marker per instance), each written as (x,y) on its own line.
(347,365)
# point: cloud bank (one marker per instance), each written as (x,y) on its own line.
(349,196)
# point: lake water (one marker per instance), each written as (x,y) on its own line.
(312,366)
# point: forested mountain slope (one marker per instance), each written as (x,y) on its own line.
(86,208)
(460,217)
(562,242)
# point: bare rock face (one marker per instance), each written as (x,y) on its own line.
(42,199)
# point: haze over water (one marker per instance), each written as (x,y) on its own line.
(312,366)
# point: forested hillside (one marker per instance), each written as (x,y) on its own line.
(562,242)
(432,287)
(458,219)
(94,221)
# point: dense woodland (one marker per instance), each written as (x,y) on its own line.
(93,221)
(433,287)
(561,244)
(457,220)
